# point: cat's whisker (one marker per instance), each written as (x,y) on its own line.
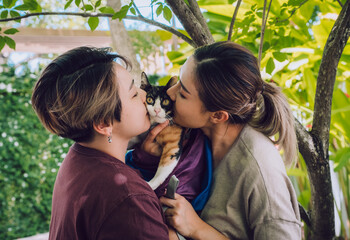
(171,121)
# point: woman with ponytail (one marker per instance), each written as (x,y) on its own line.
(248,122)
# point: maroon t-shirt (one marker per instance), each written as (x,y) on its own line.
(96,196)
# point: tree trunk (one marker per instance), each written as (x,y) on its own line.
(192,20)
(122,43)
(314,145)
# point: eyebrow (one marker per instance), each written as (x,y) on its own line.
(132,84)
(184,87)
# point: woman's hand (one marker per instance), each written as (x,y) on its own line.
(181,215)
(149,145)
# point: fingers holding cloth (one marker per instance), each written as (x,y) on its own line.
(181,215)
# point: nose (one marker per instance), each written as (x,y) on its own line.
(157,110)
(172,91)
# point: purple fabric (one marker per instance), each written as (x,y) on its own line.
(96,196)
(190,170)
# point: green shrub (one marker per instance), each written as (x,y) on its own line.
(29,159)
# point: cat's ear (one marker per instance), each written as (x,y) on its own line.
(171,82)
(144,81)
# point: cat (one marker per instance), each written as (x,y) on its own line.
(160,108)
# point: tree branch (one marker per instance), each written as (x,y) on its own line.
(292,12)
(191,24)
(327,74)
(233,20)
(305,142)
(314,146)
(137,9)
(340,3)
(136,18)
(198,14)
(264,21)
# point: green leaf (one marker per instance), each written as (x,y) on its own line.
(14,14)
(122,12)
(270,66)
(2,43)
(167,13)
(7,3)
(107,10)
(11,31)
(10,42)
(32,5)
(279,56)
(133,11)
(98,3)
(77,2)
(93,22)
(4,14)
(164,35)
(23,7)
(87,7)
(343,160)
(68,4)
(159,10)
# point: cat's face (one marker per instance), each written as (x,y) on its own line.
(158,103)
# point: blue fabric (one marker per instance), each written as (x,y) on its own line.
(146,174)
(199,202)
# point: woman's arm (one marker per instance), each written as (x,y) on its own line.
(185,220)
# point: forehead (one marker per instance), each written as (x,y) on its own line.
(123,77)
(187,75)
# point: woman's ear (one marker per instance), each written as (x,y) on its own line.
(219,117)
(103,128)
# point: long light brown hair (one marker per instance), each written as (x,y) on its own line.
(228,78)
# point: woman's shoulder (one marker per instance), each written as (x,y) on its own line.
(259,147)
(255,157)
(106,174)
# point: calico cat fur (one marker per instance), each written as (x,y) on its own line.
(159,106)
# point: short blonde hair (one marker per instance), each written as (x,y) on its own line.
(76,90)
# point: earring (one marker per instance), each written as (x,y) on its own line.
(110,138)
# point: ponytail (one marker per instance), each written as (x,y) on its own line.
(274,116)
(228,78)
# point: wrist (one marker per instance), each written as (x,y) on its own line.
(199,229)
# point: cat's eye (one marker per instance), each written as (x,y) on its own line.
(149,100)
(165,102)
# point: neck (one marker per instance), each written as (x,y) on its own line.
(222,137)
(117,148)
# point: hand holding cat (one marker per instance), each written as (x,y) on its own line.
(149,145)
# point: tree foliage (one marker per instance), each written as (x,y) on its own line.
(29,159)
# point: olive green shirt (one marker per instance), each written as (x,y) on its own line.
(252,196)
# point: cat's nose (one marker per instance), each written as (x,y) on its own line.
(157,110)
